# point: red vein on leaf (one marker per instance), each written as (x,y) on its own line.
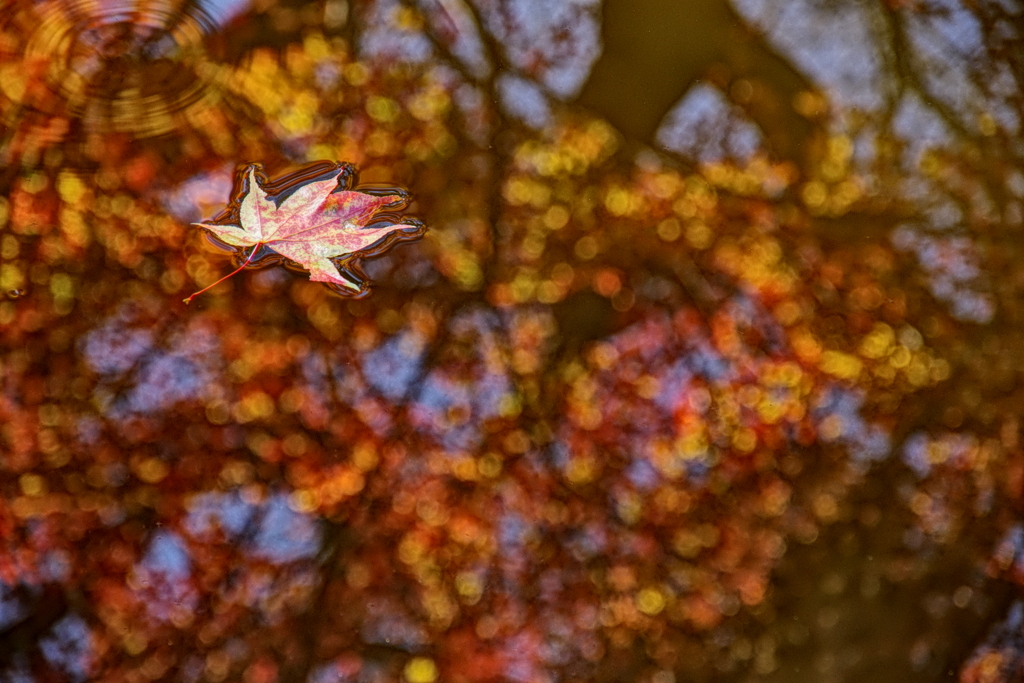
(195,294)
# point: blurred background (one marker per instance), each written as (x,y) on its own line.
(707,368)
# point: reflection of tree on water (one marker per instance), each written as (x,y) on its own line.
(654,52)
(611,421)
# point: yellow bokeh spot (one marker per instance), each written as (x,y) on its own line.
(650,601)
(517,191)
(13,81)
(745,440)
(411,549)
(840,147)
(630,508)
(32,485)
(61,286)
(917,372)
(383,109)
(814,194)
(510,406)
(987,124)
(11,277)
(878,342)
(556,217)
(254,406)
(9,247)
(429,105)
(586,248)
(618,201)
(900,358)
(669,229)
(465,469)
(489,465)
(549,293)
(70,188)
(524,286)
(364,456)
(34,182)
(839,364)
(468,275)
(692,446)
(470,586)
(135,643)
(408,19)
(153,470)
(580,470)
(790,374)
(302,501)
(357,74)
(316,47)
(770,410)
(421,670)
(699,235)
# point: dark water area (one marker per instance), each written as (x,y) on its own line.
(537,341)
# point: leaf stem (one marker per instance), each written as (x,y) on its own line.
(253,253)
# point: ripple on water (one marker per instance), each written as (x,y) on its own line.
(125,66)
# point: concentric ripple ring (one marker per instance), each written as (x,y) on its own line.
(126,66)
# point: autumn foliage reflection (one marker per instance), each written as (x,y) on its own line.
(577,431)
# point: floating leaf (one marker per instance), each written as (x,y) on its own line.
(315,220)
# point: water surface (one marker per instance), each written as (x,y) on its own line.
(706,368)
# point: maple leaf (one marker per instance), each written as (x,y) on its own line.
(321,220)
